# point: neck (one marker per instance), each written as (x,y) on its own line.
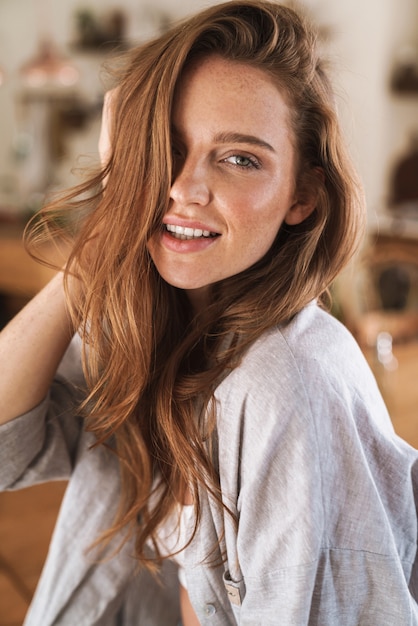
(198,298)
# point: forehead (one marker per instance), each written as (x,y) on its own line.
(217,91)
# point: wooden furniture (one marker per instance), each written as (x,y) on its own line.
(20,275)
(399,387)
(380,291)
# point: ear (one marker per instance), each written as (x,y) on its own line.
(307,198)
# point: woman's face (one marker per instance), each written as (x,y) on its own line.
(233,183)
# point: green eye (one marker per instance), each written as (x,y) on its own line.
(243,161)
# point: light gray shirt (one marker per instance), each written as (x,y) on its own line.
(323,490)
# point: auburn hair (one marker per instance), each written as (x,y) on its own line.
(152,366)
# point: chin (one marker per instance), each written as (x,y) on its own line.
(181,282)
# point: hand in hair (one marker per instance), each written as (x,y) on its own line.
(105,131)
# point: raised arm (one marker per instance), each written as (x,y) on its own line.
(34,342)
(31,347)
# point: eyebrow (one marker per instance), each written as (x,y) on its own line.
(239,138)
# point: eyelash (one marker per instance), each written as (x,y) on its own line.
(253,162)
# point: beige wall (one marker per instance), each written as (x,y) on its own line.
(366,38)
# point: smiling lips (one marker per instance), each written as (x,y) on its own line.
(182,232)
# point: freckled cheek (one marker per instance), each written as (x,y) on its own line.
(150,246)
(260,217)
(153,248)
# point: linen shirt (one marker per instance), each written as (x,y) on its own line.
(323,490)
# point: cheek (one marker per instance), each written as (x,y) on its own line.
(259,229)
(152,248)
(261,219)
(254,241)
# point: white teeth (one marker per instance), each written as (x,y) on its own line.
(181,232)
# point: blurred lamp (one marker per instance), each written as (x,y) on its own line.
(49,68)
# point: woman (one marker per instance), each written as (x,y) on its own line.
(230,458)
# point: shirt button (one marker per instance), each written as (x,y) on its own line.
(210,610)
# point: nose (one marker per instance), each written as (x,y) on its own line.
(190,184)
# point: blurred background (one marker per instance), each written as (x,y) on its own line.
(52,82)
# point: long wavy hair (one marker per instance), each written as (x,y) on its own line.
(151,365)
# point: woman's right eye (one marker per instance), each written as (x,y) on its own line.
(176,153)
(178,156)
